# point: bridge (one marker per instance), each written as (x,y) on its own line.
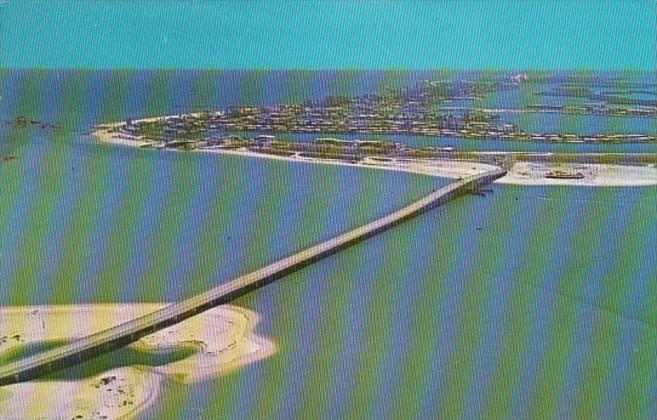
(85,348)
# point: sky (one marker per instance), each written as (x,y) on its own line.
(453,34)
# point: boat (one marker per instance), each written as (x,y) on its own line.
(564,175)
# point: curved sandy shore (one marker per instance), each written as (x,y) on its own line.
(521,173)
(223,337)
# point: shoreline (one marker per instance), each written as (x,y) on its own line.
(442,168)
(520,173)
(595,174)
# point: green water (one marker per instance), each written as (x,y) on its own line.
(546,312)
(528,303)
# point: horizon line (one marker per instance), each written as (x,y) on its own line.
(345,69)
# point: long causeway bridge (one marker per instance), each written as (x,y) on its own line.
(121,335)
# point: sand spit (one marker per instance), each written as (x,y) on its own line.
(443,168)
(594,175)
(521,173)
(222,337)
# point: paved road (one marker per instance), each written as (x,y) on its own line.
(121,335)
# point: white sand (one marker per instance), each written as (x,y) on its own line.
(105,136)
(443,168)
(223,335)
(595,175)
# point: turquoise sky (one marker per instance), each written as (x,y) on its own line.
(467,34)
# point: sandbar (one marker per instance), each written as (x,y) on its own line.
(222,337)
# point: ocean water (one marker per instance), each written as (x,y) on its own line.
(529,302)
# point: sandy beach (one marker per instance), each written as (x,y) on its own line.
(222,337)
(594,175)
(443,168)
(520,173)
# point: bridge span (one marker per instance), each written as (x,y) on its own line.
(85,348)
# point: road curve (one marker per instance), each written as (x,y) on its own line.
(91,346)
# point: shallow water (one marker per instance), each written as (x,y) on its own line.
(530,302)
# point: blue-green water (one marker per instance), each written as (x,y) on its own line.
(530,302)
